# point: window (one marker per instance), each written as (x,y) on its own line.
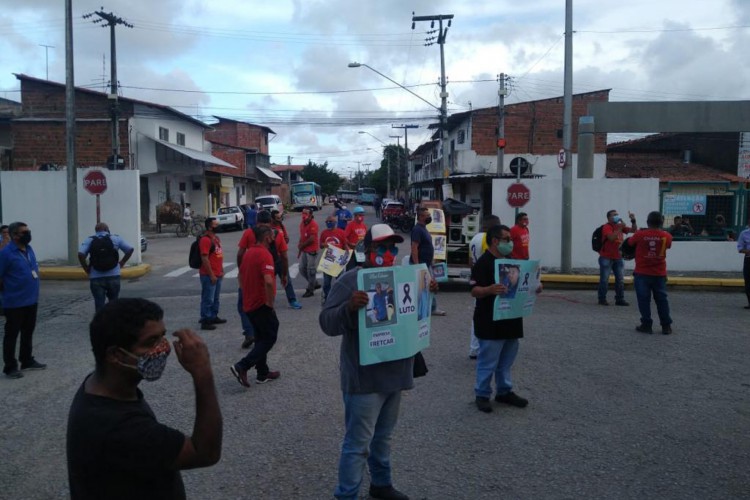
(461,136)
(182,186)
(180,138)
(164,134)
(196,185)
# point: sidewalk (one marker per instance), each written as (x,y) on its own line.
(76,273)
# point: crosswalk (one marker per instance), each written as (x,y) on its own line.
(230,271)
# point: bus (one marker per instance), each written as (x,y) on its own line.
(366,196)
(345,196)
(306,195)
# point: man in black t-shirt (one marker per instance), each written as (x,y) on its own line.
(115,446)
(498,340)
(422,251)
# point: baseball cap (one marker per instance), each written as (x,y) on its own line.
(380,232)
(359,210)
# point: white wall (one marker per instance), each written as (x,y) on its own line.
(40,200)
(592,198)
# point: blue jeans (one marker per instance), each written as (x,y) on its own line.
(209,298)
(495,357)
(104,288)
(289,288)
(607,266)
(247,327)
(644,287)
(369,421)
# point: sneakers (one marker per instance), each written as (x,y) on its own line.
(318,286)
(295,305)
(386,492)
(483,404)
(622,303)
(248,342)
(34,365)
(205,325)
(643,329)
(240,375)
(603,302)
(439,312)
(666,329)
(269,376)
(512,399)
(473,354)
(218,321)
(307,294)
(16,373)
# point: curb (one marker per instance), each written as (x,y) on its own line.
(76,273)
(574,279)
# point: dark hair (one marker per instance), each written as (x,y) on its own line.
(610,212)
(489,221)
(209,220)
(655,219)
(520,216)
(15,226)
(264,217)
(261,231)
(274,212)
(495,232)
(423,209)
(119,323)
(4,226)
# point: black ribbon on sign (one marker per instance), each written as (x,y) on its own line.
(407,289)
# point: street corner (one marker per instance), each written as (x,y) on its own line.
(76,273)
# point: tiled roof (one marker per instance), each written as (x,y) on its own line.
(627,166)
(284,168)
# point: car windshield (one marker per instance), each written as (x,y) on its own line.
(395,205)
(228,210)
(266,201)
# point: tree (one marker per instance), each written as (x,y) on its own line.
(378,179)
(329,180)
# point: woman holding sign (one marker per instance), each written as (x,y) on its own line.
(498,340)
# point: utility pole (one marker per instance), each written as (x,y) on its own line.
(406,145)
(442,34)
(109,19)
(70,138)
(501,93)
(398,163)
(359,176)
(46,56)
(566,254)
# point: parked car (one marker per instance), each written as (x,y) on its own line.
(332,199)
(144,243)
(230,217)
(393,209)
(270,202)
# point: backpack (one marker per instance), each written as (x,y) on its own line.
(627,250)
(103,256)
(596,239)
(194,257)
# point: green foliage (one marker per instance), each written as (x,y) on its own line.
(378,179)
(329,181)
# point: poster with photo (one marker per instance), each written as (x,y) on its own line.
(439,243)
(395,324)
(522,278)
(440,272)
(334,261)
(438,221)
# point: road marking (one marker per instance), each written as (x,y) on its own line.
(294,270)
(178,272)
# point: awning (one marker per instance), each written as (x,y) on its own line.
(194,154)
(269,173)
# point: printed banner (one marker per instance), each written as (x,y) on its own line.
(522,277)
(438,221)
(440,272)
(333,261)
(439,242)
(395,324)
(684,204)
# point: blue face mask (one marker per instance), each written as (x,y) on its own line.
(616,219)
(330,224)
(380,250)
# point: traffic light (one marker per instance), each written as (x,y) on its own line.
(501,143)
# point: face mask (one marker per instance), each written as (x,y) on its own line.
(382,260)
(151,365)
(428,220)
(330,224)
(359,218)
(25,238)
(616,219)
(382,250)
(505,248)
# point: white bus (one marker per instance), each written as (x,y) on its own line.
(306,195)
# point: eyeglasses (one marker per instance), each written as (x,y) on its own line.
(380,250)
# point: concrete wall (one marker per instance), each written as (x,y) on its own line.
(40,200)
(592,198)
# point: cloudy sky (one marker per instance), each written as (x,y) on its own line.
(283,63)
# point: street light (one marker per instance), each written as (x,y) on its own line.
(387,158)
(442,110)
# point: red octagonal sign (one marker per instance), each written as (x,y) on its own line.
(518,195)
(95,182)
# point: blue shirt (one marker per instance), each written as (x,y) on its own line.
(344,216)
(743,241)
(251,217)
(20,274)
(425,251)
(118,243)
(380,305)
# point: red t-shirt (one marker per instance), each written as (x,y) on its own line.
(651,251)
(215,258)
(520,237)
(256,263)
(335,237)
(611,249)
(306,231)
(355,232)
(248,239)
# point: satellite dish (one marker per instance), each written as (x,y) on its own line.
(517,163)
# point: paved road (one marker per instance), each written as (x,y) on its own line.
(613,413)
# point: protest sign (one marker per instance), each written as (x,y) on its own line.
(522,278)
(395,324)
(438,221)
(333,261)
(439,243)
(440,272)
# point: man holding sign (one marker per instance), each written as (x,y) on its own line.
(498,340)
(332,236)
(372,393)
